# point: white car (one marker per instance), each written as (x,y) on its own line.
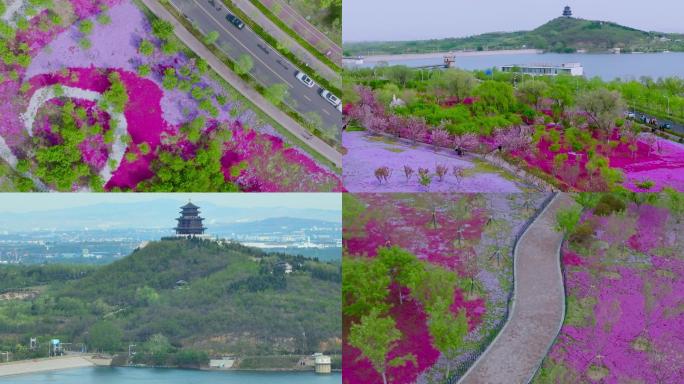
(306,80)
(339,107)
(332,99)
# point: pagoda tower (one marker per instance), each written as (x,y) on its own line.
(567,12)
(190,222)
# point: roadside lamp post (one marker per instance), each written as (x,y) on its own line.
(668,104)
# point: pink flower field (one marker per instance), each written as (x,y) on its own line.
(367,153)
(650,158)
(625,291)
(256,158)
(588,159)
(471,235)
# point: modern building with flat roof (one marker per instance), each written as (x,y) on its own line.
(573,69)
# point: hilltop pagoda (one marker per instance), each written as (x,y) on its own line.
(567,12)
(190,222)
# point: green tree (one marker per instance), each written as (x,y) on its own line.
(404,267)
(146,48)
(211,37)
(375,336)
(170,81)
(448,331)
(399,74)
(144,70)
(567,219)
(276,93)
(243,64)
(531,92)
(86,27)
(494,96)
(116,96)
(146,295)
(105,336)
(162,29)
(456,82)
(602,107)
(364,286)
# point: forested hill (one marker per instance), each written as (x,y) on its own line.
(563,34)
(199,295)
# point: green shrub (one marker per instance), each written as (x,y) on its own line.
(608,204)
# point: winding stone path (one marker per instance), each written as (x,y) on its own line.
(538,306)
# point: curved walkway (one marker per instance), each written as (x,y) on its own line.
(537,310)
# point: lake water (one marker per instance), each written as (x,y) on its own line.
(104,375)
(604,65)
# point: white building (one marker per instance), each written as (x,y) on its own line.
(323,363)
(573,69)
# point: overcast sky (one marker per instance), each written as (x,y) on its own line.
(373,20)
(31,202)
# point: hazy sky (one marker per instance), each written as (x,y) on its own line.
(30,202)
(371,20)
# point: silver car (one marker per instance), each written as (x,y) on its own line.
(306,80)
(332,99)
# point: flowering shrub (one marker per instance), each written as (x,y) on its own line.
(624,294)
(456,233)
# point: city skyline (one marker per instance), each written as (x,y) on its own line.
(22,203)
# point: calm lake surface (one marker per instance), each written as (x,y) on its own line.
(604,65)
(103,375)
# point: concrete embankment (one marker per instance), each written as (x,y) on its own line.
(50,364)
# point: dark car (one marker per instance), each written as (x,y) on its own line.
(235,21)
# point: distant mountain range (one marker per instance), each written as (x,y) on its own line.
(563,34)
(156,214)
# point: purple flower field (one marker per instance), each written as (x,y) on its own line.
(367,153)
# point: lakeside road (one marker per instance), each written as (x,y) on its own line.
(49,364)
(245,89)
(438,55)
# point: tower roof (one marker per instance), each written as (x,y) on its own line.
(189,205)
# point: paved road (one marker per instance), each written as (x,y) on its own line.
(675,127)
(241,86)
(307,31)
(538,306)
(269,66)
(302,53)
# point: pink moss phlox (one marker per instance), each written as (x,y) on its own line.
(94,151)
(475,308)
(650,227)
(411,321)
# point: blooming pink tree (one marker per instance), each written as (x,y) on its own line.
(368,99)
(383,174)
(408,172)
(394,125)
(466,142)
(440,138)
(375,123)
(441,170)
(414,129)
(459,174)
